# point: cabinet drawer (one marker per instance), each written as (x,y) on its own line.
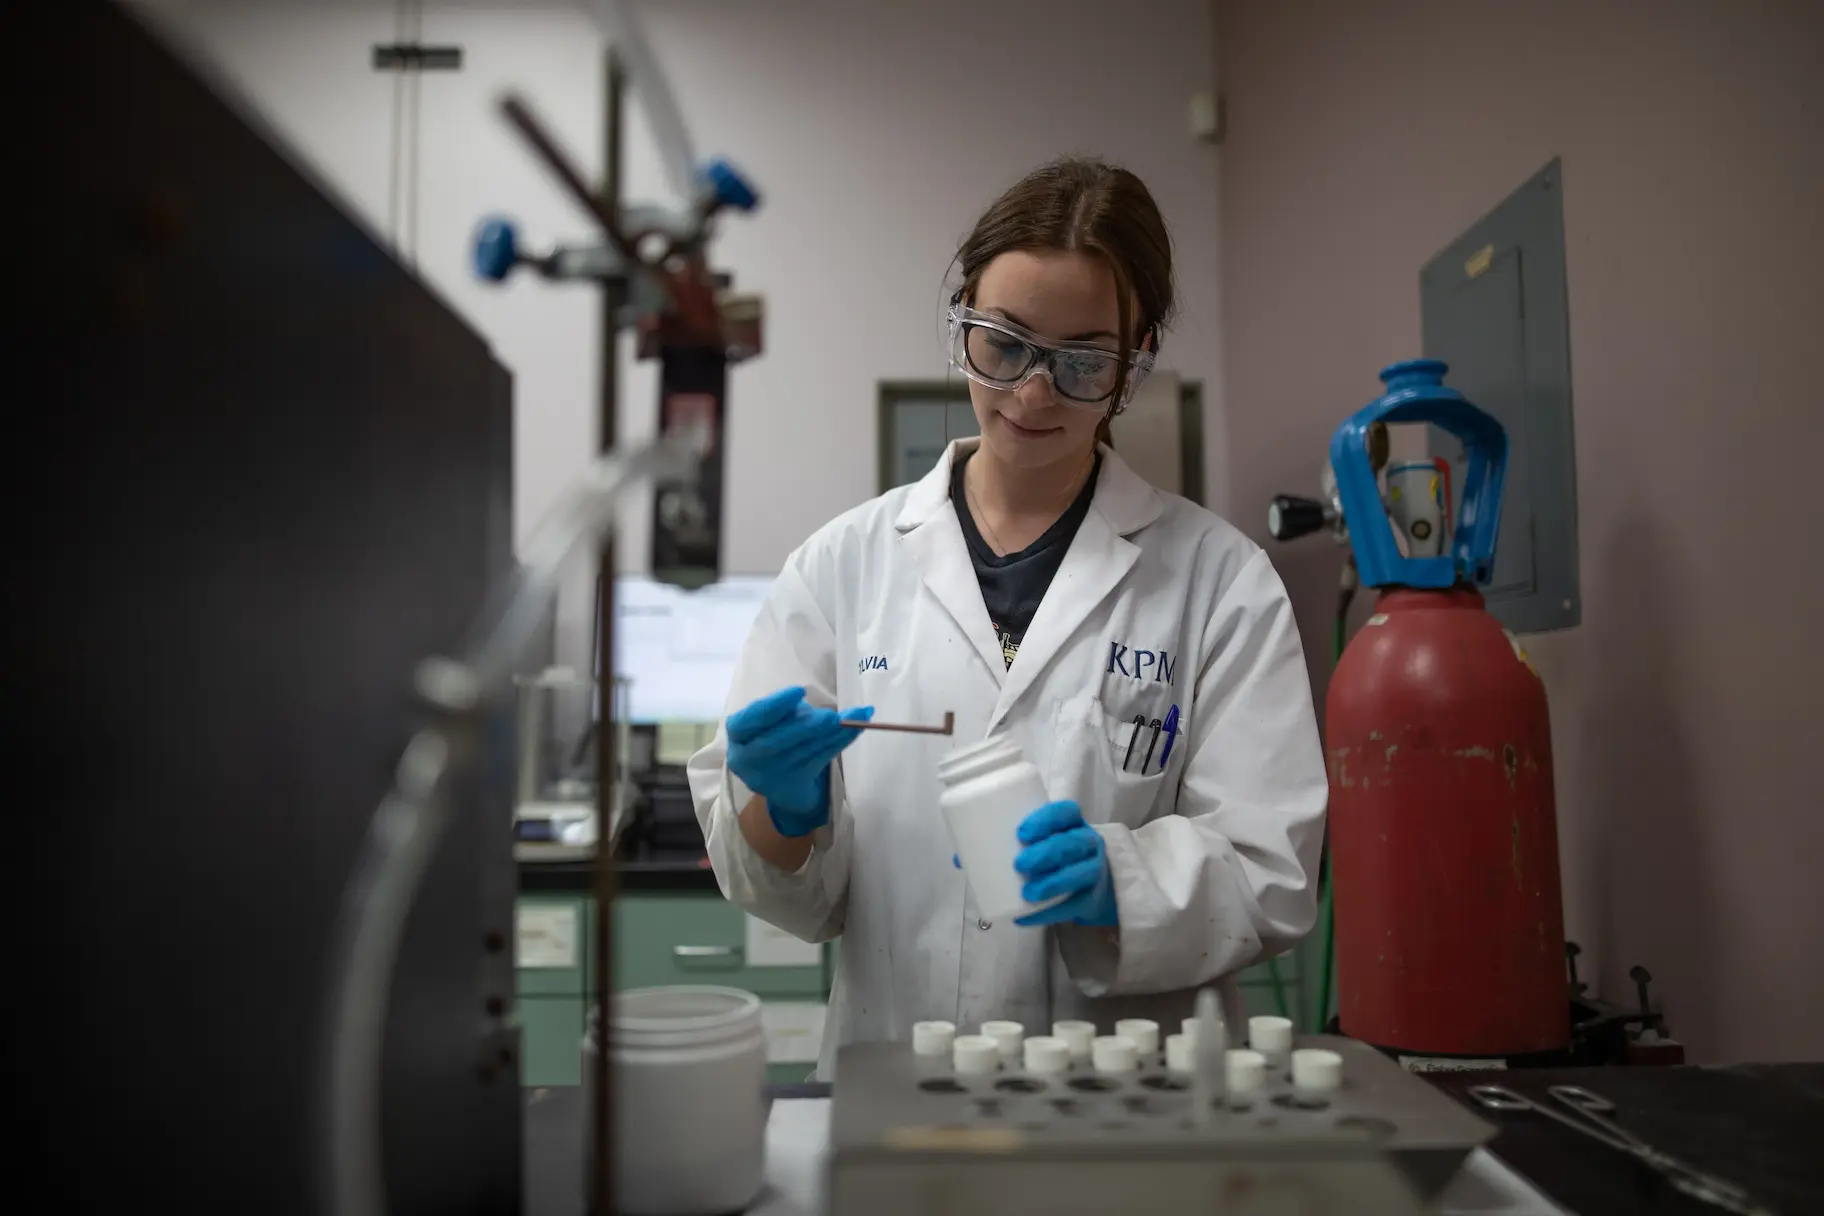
(666,938)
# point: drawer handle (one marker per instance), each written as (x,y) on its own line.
(684,952)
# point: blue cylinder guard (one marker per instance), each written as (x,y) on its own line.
(1416,393)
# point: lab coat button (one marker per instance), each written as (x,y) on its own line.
(982,924)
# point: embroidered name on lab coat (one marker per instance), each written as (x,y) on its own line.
(873,662)
(1155,665)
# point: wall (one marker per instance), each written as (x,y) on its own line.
(1363,137)
(876,132)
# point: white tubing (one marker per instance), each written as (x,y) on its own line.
(407,826)
(620,24)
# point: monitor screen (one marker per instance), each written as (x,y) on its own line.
(678,648)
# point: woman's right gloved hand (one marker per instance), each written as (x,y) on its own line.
(782,749)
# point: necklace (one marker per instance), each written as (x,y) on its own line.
(1071,488)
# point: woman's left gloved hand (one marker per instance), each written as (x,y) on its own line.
(1065,856)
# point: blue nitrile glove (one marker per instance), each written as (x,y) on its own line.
(1065,856)
(782,748)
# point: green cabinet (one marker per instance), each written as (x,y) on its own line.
(551,1039)
(663,938)
(553,958)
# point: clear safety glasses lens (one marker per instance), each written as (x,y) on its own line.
(1000,355)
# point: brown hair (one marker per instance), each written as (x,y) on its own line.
(1080,205)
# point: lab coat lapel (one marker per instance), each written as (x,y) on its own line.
(933,538)
(1098,559)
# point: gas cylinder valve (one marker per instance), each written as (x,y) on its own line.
(1290,517)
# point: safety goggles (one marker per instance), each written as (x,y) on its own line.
(998,354)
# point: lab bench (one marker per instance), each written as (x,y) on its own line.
(1755,1124)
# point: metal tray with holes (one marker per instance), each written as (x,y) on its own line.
(887,1100)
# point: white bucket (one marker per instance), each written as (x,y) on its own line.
(689,1100)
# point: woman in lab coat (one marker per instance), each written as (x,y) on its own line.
(1034,585)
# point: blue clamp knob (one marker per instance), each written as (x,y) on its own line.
(496,250)
(1416,392)
(728,187)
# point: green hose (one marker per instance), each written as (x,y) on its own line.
(1279,987)
(1326,912)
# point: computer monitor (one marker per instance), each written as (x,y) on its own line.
(678,648)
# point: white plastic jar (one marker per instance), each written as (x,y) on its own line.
(989,789)
(689,1100)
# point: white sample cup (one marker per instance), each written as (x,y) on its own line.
(690,1118)
(1144,1033)
(1178,1053)
(1046,1056)
(989,790)
(1245,1071)
(1316,1070)
(1006,1036)
(1270,1036)
(1114,1053)
(933,1038)
(1079,1035)
(975,1055)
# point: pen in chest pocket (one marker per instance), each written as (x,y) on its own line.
(1139,722)
(1171,736)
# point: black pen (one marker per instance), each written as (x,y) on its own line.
(1151,745)
(1139,721)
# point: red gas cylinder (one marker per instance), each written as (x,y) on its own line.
(1443,835)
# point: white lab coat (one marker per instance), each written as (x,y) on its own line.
(1158,602)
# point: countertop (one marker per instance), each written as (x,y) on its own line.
(577,877)
(1757,1125)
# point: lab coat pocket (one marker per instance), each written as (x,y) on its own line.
(1139,748)
(1092,763)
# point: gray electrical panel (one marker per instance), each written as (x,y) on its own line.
(1492,306)
(918,419)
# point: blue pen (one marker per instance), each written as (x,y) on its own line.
(1171,736)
